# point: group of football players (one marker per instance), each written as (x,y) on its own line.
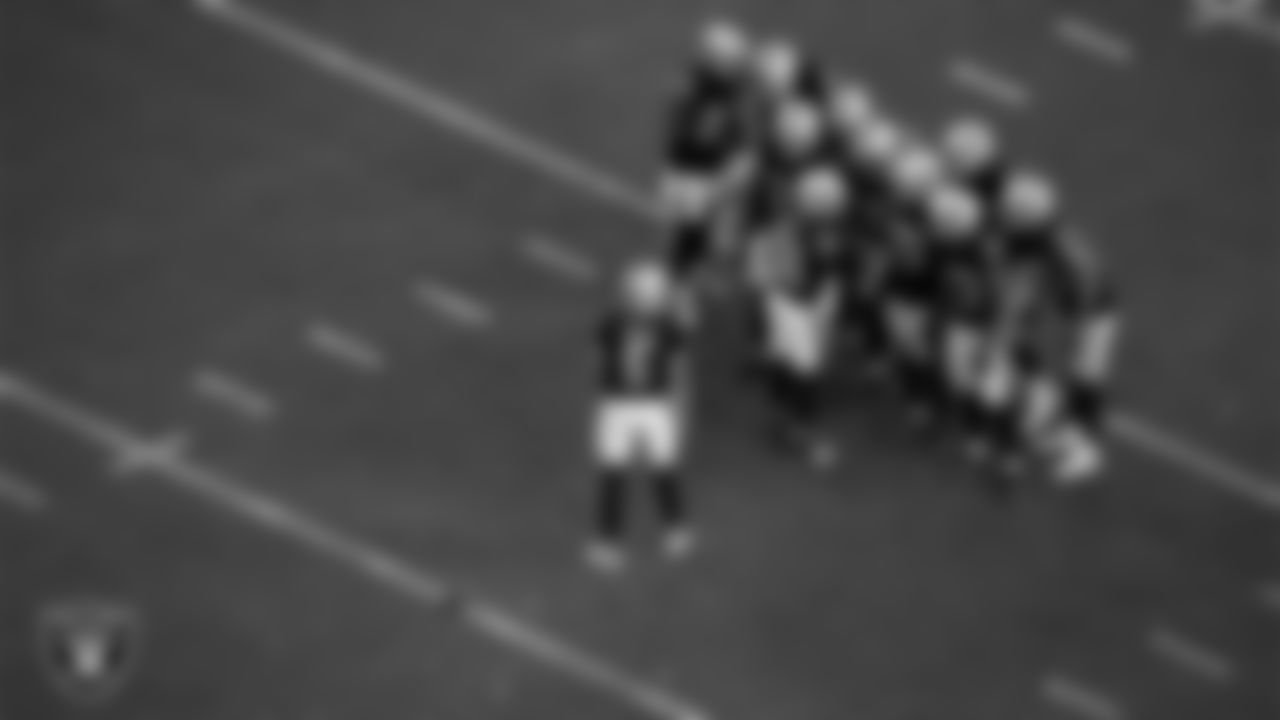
(942,266)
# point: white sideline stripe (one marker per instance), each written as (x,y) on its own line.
(20,493)
(1093,39)
(984,81)
(233,393)
(560,259)
(391,572)
(1079,698)
(1190,655)
(434,106)
(1160,443)
(344,347)
(453,305)
(149,454)
(443,110)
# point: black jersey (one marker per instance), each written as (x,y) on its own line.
(1055,272)
(710,122)
(778,172)
(967,279)
(641,354)
(911,258)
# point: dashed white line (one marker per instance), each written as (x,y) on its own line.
(345,347)
(1094,40)
(560,259)
(234,394)
(435,593)
(1079,698)
(443,110)
(1190,655)
(145,455)
(20,493)
(989,83)
(454,305)
(1249,17)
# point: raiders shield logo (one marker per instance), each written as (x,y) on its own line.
(88,647)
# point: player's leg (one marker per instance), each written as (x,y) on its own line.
(615,435)
(664,440)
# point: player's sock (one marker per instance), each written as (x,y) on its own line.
(611,506)
(669,494)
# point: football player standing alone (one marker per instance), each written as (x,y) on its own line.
(640,421)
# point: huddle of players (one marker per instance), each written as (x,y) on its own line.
(943,265)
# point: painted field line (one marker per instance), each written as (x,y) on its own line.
(1079,698)
(454,305)
(344,347)
(984,81)
(143,455)
(234,394)
(443,110)
(390,572)
(1189,655)
(1249,17)
(1202,463)
(427,103)
(1094,40)
(560,259)
(20,493)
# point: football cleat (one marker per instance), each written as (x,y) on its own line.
(969,144)
(605,558)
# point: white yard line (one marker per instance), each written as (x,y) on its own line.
(234,394)
(1094,40)
(431,104)
(20,493)
(1080,699)
(1203,464)
(445,111)
(1190,655)
(989,83)
(560,259)
(454,305)
(391,572)
(345,347)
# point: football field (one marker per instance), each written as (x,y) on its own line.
(294,360)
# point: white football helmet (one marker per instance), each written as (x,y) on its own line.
(970,143)
(953,211)
(916,171)
(879,142)
(725,44)
(778,65)
(852,105)
(646,286)
(798,126)
(1029,198)
(822,192)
